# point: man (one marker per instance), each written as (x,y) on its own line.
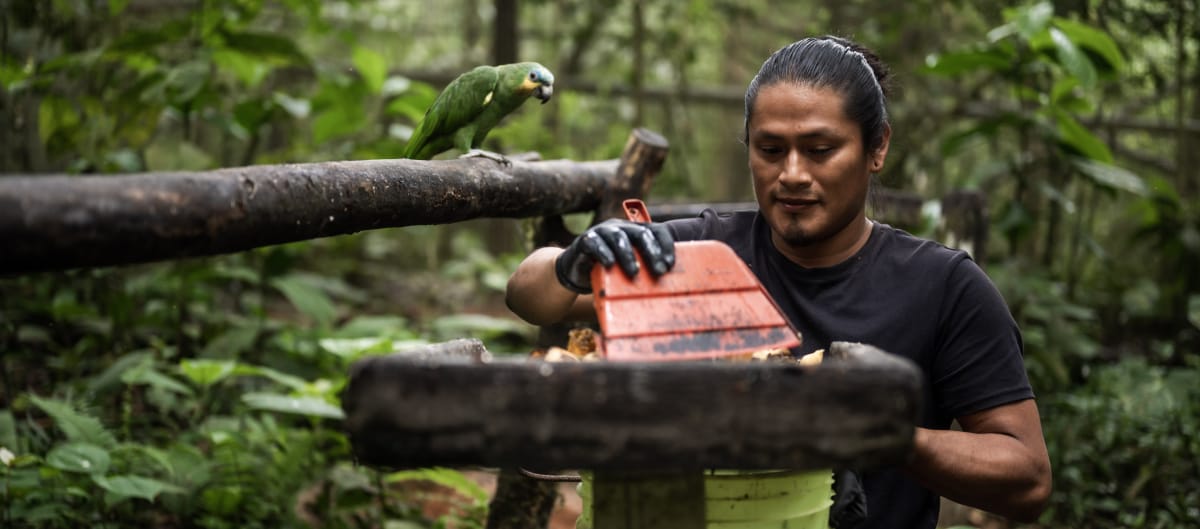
(816,130)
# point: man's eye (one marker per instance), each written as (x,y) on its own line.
(769,149)
(820,151)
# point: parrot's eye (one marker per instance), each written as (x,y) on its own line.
(532,76)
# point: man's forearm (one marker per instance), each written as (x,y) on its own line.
(996,472)
(534,292)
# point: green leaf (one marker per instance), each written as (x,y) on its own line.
(207,372)
(130,486)
(350,349)
(84,458)
(1030,20)
(442,476)
(1095,40)
(146,374)
(293,382)
(337,122)
(1071,134)
(112,375)
(957,63)
(371,66)
(295,107)
(1111,176)
(77,426)
(232,343)
(310,406)
(1074,60)
(307,298)
(54,114)
(247,69)
(265,45)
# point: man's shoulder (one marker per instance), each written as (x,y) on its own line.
(711,225)
(901,248)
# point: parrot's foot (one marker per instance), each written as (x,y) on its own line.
(494,156)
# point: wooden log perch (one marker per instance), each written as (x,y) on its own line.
(856,410)
(56,222)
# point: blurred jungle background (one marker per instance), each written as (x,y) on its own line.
(204,392)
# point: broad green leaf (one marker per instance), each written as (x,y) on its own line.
(478,325)
(1072,134)
(145,373)
(77,426)
(111,376)
(130,486)
(307,298)
(247,69)
(337,122)
(1074,60)
(185,81)
(956,63)
(295,107)
(232,343)
(370,326)
(84,458)
(173,154)
(1030,20)
(1111,176)
(352,349)
(207,372)
(371,66)
(293,382)
(252,113)
(54,114)
(311,406)
(222,500)
(266,45)
(1093,39)
(453,479)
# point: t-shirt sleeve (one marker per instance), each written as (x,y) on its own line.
(979,362)
(696,228)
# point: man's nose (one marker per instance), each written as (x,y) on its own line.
(795,170)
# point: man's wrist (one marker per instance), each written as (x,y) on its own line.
(564,277)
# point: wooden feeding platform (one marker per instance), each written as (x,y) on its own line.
(646,430)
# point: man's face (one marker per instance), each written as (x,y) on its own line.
(809,166)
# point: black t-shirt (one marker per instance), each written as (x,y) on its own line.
(907,296)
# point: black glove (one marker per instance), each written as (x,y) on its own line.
(613,241)
(849,508)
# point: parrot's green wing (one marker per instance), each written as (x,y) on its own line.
(456,107)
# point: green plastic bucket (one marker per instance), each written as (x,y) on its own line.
(753,499)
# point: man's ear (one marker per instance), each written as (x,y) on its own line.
(880,153)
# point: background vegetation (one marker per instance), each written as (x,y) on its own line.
(203,392)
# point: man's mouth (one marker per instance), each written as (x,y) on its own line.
(796,202)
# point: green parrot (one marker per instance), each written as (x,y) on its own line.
(473,103)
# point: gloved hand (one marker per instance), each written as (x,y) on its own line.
(614,241)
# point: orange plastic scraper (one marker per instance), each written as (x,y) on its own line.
(709,306)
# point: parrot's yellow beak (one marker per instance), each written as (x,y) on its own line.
(543,92)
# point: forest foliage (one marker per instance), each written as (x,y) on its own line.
(204,392)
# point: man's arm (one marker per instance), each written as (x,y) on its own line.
(997,463)
(535,294)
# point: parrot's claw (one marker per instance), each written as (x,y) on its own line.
(494,156)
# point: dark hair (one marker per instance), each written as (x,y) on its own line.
(831,62)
